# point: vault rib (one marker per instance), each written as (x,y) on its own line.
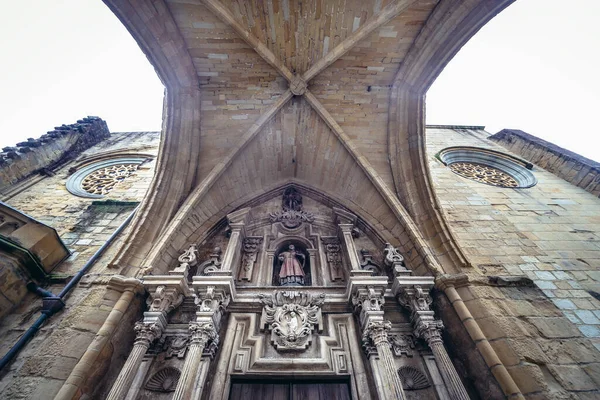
(389,12)
(224,15)
(387,194)
(214,174)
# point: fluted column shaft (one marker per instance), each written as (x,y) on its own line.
(201,334)
(453,382)
(377,332)
(432,335)
(145,335)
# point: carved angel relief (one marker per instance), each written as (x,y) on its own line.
(402,345)
(291,317)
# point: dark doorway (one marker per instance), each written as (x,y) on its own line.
(289,390)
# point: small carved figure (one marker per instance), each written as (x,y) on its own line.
(292,200)
(291,272)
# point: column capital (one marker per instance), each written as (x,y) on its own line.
(202,332)
(429,330)
(146,333)
(377,332)
(367,295)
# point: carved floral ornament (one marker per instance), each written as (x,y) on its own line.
(291,317)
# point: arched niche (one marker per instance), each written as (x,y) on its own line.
(300,246)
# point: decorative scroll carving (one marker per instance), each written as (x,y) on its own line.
(165,299)
(415,299)
(367,263)
(250,248)
(146,333)
(213,264)
(430,331)
(393,259)
(412,378)
(103,180)
(213,302)
(164,380)
(291,219)
(291,317)
(187,259)
(368,300)
(177,346)
(402,345)
(484,174)
(333,252)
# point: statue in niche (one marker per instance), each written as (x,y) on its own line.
(292,200)
(291,272)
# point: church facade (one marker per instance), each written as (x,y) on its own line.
(295,231)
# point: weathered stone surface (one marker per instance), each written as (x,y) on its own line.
(572,377)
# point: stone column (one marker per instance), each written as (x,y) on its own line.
(413,293)
(431,332)
(146,333)
(201,334)
(368,300)
(377,333)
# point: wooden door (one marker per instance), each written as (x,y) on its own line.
(289,390)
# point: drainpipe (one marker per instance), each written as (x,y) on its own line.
(51,303)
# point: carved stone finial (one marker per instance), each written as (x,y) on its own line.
(146,333)
(291,317)
(393,258)
(367,263)
(213,264)
(189,258)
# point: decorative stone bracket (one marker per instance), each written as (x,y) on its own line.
(291,317)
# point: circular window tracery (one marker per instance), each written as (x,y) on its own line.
(488,166)
(484,174)
(98,179)
(104,179)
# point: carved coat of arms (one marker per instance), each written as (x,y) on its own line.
(291,317)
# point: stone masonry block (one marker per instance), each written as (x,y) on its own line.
(554,327)
(572,377)
(528,377)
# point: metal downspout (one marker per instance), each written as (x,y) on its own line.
(51,304)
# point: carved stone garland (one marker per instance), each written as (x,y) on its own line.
(291,317)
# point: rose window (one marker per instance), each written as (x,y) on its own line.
(488,166)
(484,174)
(105,179)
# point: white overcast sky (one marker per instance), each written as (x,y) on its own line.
(534,67)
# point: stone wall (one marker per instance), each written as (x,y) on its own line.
(84,224)
(548,335)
